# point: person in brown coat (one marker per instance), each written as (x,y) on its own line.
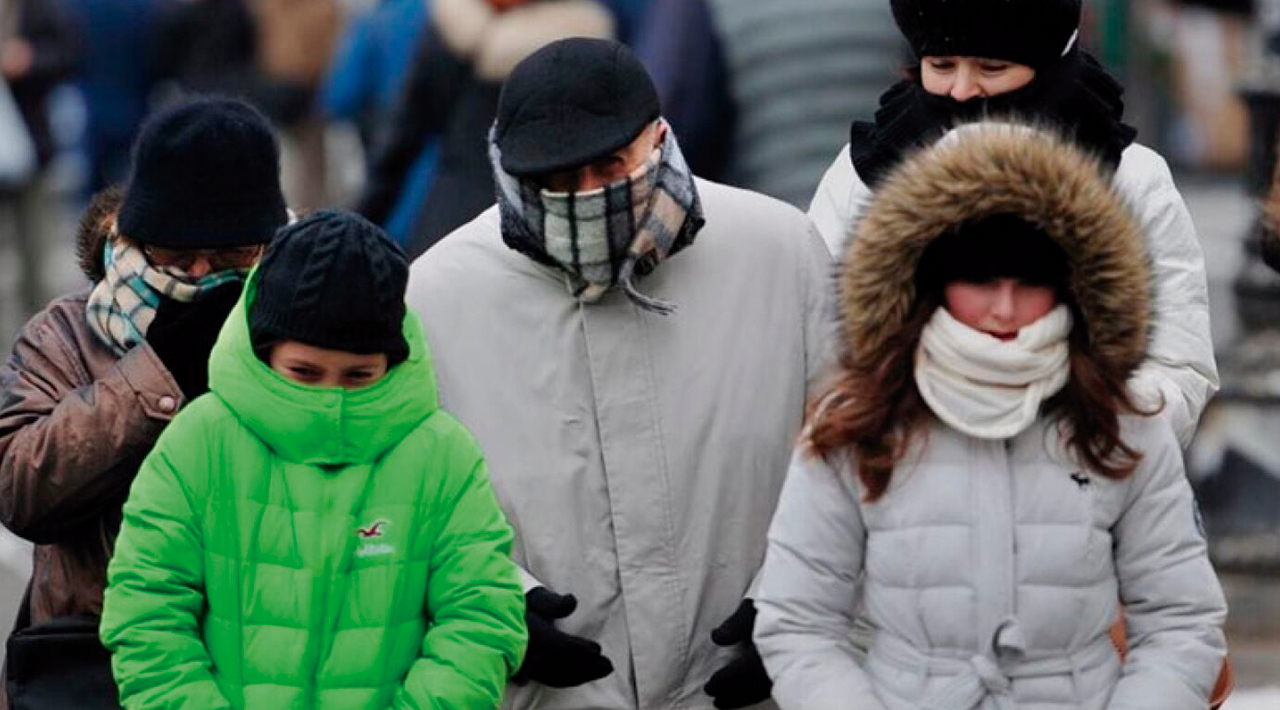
(96,376)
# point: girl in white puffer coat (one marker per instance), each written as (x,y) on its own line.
(979,470)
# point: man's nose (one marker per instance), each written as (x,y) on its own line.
(590,179)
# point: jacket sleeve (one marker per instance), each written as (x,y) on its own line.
(1173,605)
(1181,366)
(477,635)
(821,319)
(68,442)
(347,91)
(835,204)
(808,592)
(431,89)
(156,588)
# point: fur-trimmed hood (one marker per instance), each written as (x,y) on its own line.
(495,42)
(998,168)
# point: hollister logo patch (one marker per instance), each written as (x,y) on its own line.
(373,531)
(370,536)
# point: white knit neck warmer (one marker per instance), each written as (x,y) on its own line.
(989,388)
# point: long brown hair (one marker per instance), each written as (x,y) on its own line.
(873,411)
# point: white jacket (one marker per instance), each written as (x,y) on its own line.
(1181,365)
(992,573)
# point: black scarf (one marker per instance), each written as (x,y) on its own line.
(1075,95)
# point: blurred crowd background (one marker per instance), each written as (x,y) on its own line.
(383,105)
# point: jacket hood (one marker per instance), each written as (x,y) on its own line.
(983,170)
(495,42)
(96,226)
(321,425)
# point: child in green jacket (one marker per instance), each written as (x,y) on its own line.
(315,532)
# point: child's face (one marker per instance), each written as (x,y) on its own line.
(320,367)
(999,307)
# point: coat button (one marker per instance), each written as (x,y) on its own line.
(167,403)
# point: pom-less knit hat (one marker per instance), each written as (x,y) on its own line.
(571,102)
(1031,32)
(332,280)
(206,175)
(993,247)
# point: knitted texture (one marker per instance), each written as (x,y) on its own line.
(1030,32)
(335,281)
(206,175)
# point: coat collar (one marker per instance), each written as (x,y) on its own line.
(321,426)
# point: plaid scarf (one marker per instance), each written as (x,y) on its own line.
(123,304)
(608,236)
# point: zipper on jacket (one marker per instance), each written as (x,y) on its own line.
(1011,508)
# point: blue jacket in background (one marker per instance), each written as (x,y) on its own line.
(364,82)
(630,15)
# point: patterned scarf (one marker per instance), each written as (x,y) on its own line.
(123,304)
(608,236)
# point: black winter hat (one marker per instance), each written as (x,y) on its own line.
(571,102)
(206,175)
(332,280)
(1031,32)
(999,246)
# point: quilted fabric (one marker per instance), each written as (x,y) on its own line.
(296,547)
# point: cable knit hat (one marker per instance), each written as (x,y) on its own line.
(332,280)
(206,175)
(1031,32)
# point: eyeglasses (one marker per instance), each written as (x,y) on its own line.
(217,259)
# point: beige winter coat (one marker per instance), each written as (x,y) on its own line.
(639,457)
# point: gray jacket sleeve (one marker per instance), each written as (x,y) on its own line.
(821,318)
(833,208)
(1181,366)
(809,589)
(1173,605)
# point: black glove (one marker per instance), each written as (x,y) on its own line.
(555,658)
(183,334)
(742,681)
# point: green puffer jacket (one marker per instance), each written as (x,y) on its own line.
(287,546)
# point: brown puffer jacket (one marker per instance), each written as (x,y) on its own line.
(75,424)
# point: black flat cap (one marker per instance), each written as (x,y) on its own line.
(570,103)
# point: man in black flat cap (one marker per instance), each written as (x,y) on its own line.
(633,347)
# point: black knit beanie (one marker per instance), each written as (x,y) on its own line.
(206,175)
(999,246)
(332,280)
(1031,32)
